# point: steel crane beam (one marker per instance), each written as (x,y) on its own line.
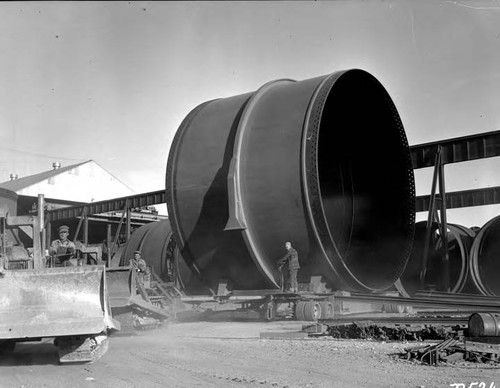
(116,204)
(459,149)
(465,198)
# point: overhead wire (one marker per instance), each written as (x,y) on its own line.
(40,154)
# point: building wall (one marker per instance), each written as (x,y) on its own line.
(88,182)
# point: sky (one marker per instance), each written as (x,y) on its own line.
(112,81)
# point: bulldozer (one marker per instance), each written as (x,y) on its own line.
(39,300)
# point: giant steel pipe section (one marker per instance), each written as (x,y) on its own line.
(459,243)
(158,248)
(323,163)
(484,258)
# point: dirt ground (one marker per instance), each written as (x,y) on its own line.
(232,354)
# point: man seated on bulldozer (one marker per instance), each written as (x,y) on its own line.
(63,250)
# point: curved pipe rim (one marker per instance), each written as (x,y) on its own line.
(310,174)
(170,185)
(454,230)
(474,258)
(464,271)
(312,189)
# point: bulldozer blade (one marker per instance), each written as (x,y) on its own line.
(119,281)
(54,302)
(121,285)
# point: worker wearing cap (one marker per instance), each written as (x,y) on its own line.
(63,248)
(138,263)
(140,266)
(291,258)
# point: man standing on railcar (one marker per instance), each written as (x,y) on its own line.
(291,258)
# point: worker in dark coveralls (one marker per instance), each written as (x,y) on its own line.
(63,248)
(291,258)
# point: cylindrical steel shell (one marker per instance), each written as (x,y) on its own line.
(323,163)
(484,258)
(459,242)
(135,243)
(159,250)
(484,325)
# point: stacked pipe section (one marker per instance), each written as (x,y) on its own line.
(485,258)
(459,242)
(323,163)
(158,248)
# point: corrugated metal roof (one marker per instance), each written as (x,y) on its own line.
(22,183)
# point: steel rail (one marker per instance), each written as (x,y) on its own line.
(421,302)
(461,296)
(401,320)
(475,305)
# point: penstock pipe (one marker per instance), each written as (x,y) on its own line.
(484,258)
(323,163)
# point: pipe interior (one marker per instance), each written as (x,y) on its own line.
(365,180)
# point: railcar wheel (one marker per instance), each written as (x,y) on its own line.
(299,311)
(312,311)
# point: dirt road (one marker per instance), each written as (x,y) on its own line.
(223,354)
